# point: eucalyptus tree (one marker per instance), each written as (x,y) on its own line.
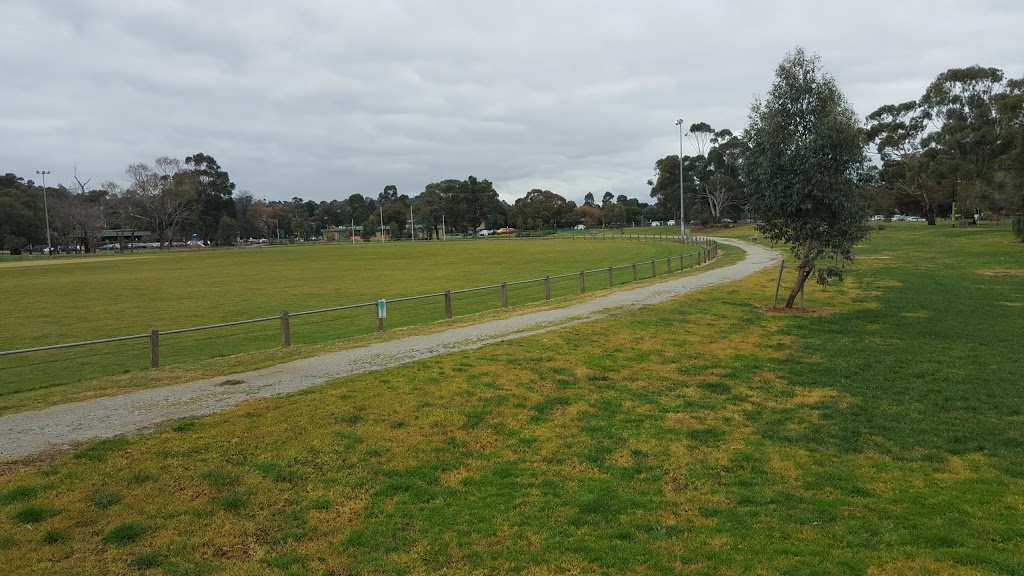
(805,152)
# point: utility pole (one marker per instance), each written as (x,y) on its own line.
(46,213)
(382,224)
(413,221)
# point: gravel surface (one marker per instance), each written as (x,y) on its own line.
(27,433)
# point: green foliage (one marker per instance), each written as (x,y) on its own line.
(962,141)
(100,450)
(221,478)
(396,216)
(22,493)
(466,204)
(227,231)
(105,499)
(805,153)
(34,514)
(125,533)
(213,195)
(186,425)
(146,560)
(234,500)
(543,210)
(56,536)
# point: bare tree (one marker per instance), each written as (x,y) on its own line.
(161,196)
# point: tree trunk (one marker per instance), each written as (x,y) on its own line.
(802,272)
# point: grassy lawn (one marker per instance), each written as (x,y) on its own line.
(884,435)
(73,299)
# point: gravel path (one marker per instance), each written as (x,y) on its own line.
(27,433)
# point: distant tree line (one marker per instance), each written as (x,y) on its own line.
(962,142)
(174,199)
(166,198)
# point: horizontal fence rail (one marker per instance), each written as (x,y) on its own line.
(707,251)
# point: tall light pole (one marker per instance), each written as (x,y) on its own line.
(46,213)
(682,217)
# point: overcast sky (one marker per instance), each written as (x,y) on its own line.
(325,98)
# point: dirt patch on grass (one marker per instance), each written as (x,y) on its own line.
(1002,272)
(796,311)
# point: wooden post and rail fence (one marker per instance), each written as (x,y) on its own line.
(708,251)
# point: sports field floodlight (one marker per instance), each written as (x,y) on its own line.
(46,212)
(682,217)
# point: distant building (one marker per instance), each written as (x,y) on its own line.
(340,233)
(126,235)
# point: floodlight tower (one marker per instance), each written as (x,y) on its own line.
(682,218)
(46,213)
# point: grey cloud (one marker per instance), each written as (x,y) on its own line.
(323,99)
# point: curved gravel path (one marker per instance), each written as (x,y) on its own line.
(27,433)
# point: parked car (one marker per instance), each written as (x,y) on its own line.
(580,227)
(670,223)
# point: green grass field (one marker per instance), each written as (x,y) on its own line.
(74,299)
(883,435)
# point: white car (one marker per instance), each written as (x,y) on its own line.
(580,227)
(670,223)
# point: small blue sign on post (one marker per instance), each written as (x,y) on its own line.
(382,308)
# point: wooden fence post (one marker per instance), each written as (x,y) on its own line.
(583,281)
(634,271)
(778,283)
(682,267)
(611,277)
(154,348)
(448,304)
(547,287)
(668,265)
(654,269)
(286,330)
(504,295)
